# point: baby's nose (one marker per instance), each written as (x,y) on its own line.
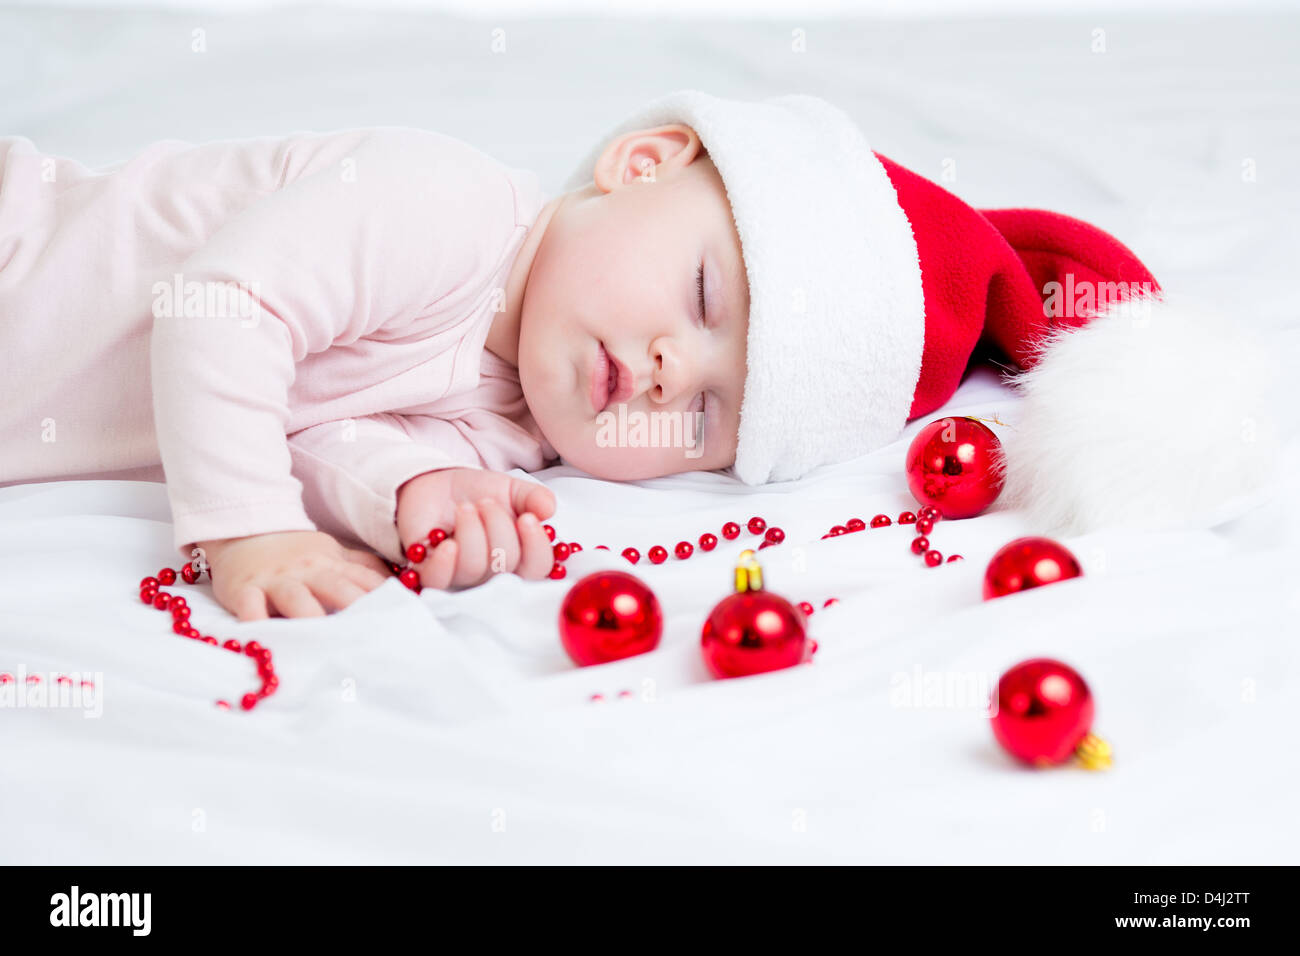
(671,371)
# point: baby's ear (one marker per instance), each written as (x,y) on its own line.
(645,155)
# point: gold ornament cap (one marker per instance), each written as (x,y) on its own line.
(1093,753)
(749,573)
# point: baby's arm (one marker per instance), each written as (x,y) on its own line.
(366,237)
(351,470)
(390,479)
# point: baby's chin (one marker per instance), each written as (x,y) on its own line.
(578,446)
(622,474)
(615,467)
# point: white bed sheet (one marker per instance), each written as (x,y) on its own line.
(451,728)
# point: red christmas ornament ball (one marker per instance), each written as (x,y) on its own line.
(1043,711)
(1028,563)
(607,616)
(955,465)
(752,632)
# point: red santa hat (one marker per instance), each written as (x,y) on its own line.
(872,287)
(1004,276)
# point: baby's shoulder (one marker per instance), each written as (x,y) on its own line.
(401,147)
(421,165)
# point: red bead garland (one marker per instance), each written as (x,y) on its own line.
(924,520)
(178,606)
(36,679)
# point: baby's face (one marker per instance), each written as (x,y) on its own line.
(626,373)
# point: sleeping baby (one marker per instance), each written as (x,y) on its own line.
(328,345)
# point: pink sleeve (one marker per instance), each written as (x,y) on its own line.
(351,471)
(374,229)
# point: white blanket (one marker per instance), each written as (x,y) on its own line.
(452,728)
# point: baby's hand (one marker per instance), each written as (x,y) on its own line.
(293,572)
(494,522)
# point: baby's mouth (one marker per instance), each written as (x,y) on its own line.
(603,379)
(610,380)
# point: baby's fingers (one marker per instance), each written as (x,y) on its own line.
(365,578)
(335,589)
(502,538)
(293,599)
(439,567)
(530,496)
(538,553)
(472,541)
(368,561)
(249,604)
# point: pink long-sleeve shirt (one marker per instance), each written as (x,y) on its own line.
(283,329)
